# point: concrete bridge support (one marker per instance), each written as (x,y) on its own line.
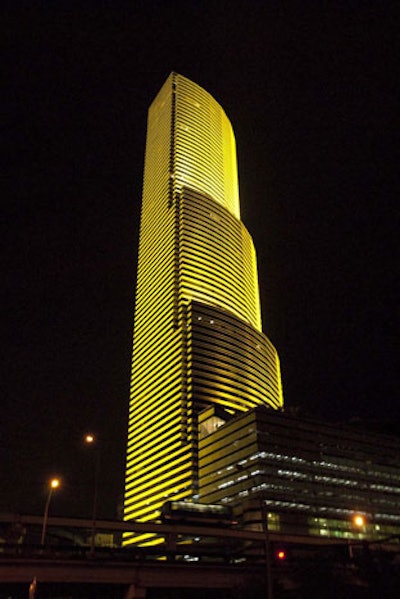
(135,592)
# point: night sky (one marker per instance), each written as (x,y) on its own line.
(311,94)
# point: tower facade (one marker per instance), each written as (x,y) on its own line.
(197,327)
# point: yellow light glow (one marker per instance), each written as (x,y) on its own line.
(197,323)
(89,438)
(359,520)
(55,483)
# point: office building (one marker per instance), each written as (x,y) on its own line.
(198,340)
(312,477)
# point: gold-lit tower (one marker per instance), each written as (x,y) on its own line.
(197,327)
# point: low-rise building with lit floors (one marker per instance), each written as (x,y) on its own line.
(313,478)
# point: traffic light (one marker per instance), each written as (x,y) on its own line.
(280,555)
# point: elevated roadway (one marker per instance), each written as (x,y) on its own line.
(217,558)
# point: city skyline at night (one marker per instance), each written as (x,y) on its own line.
(198,339)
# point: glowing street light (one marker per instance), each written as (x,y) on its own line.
(54,483)
(359,520)
(90,439)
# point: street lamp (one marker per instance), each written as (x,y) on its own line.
(265,529)
(53,484)
(90,439)
(359,521)
(264,514)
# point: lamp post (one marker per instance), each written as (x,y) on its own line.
(53,484)
(90,439)
(359,522)
(264,515)
(265,529)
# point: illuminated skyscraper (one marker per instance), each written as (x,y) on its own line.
(197,327)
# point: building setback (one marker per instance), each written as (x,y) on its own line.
(312,477)
(198,339)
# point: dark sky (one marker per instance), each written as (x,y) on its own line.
(311,94)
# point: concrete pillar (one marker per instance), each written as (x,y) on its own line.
(135,592)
